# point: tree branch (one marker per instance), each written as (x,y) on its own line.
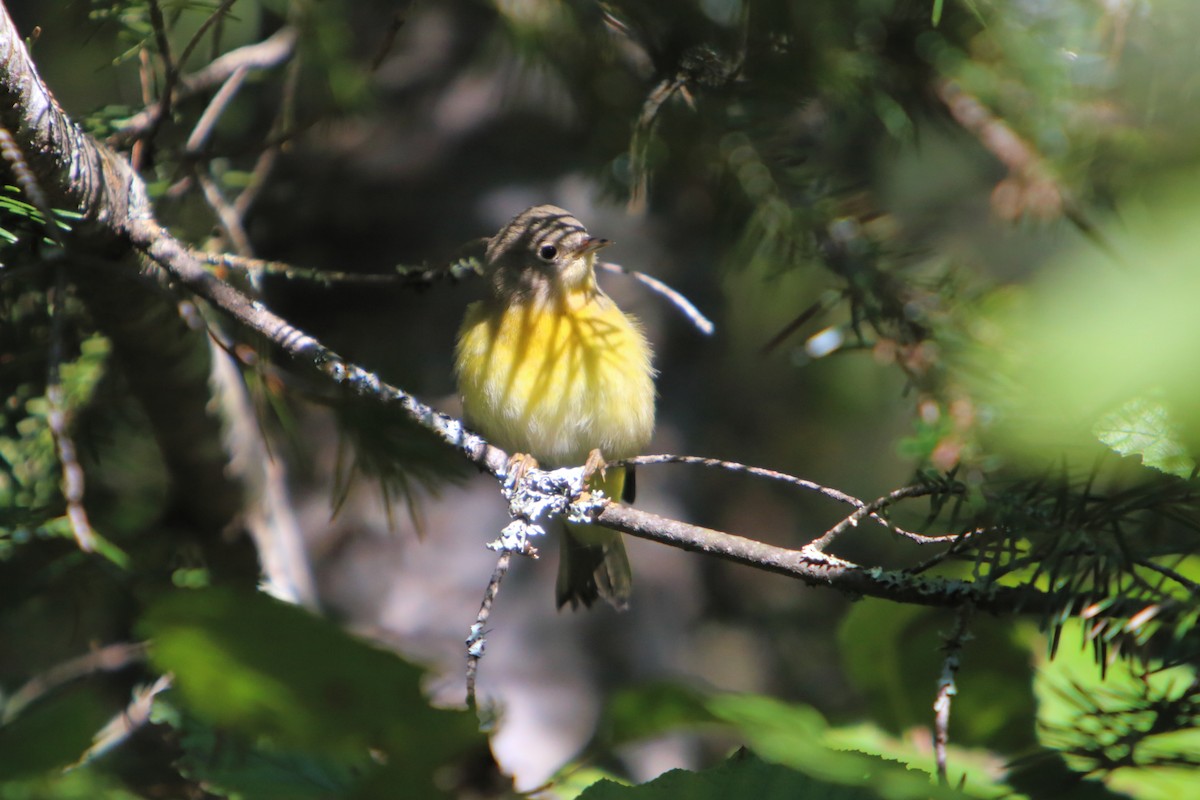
(260,55)
(806,564)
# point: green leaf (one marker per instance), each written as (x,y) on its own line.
(652,710)
(261,668)
(742,776)
(795,736)
(1143,427)
(77,784)
(231,766)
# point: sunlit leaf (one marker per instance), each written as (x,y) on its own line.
(1142,427)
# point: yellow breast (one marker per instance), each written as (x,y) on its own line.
(557,378)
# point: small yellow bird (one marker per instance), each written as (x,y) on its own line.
(550,368)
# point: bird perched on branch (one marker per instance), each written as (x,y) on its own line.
(551,370)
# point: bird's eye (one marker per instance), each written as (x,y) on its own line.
(547,252)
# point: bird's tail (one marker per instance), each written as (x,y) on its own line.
(593,563)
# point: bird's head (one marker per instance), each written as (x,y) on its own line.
(543,253)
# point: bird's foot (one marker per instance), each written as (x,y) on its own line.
(595,463)
(519,465)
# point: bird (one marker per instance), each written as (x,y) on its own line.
(551,370)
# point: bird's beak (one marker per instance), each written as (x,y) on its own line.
(592,244)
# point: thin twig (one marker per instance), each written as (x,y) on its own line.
(260,55)
(389,39)
(109,658)
(947,688)
(639,142)
(258,179)
(56,422)
(216,16)
(1167,572)
(702,323)
(265,162)
(146,79)
(212,113)
(864,509)
(822,305)
(871,509)
(170,74)
(476,641)
(230,222)
(402,276)
(133,716)
(270,52)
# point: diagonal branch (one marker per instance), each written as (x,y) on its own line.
(806,564)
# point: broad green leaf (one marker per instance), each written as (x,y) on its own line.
(261,668)
(84,783)
(797,737)
(651,710)
(742,776)
(231,766)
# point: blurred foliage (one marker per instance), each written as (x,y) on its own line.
(313,690)
(742,776)
(861,760)
(1137,726)
(970,222)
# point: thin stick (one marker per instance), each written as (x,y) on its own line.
(109,658)
(946,690)
(639,142)
(133,716)
(476,641)
(864,509)
(402,276)
(260,55)
(170,72)
(212,113)
(389,39)
(56,421)
(702,323)
(226,214)
(816,308)
(878,504)
(1167,572)
(267,158)
(216,16)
